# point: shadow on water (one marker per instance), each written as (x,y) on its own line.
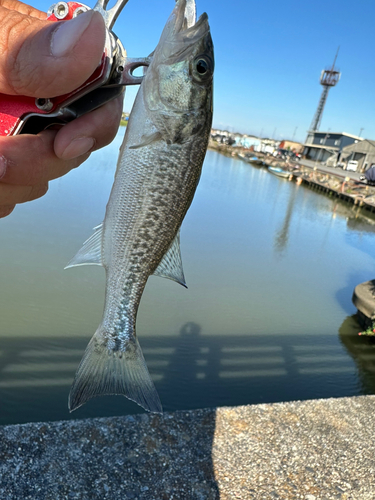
(190,371)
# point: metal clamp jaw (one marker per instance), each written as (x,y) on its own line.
(20,114)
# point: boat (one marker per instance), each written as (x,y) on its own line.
(256,160)
(250,158)
(280,172)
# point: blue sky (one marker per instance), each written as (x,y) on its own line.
(269,56)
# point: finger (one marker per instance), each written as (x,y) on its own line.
(11,195)
(29,160)
(7,210)
(23,8)
(75,138)
(46,59)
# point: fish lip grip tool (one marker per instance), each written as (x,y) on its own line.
(21,114)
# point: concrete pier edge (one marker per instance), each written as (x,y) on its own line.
(339,184)
(311,450)
(364,300)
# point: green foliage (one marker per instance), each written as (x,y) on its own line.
(370,332)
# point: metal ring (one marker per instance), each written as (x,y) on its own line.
(43,104)
(61,10)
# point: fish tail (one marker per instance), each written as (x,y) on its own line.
(119,370)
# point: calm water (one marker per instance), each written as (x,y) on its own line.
(268,316)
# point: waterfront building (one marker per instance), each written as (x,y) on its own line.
(322,146)
(235,139)
(297,147)
(362,151)
(246,141)
(268,146)
(222,136)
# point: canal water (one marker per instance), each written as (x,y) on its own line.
(270,266)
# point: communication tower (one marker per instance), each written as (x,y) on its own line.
(328,78)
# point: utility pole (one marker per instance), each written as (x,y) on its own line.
(360,132)
(294,133)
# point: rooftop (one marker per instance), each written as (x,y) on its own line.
(337,133)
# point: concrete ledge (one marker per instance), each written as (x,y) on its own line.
(364,300)
(312,450)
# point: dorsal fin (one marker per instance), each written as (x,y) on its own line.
(91,251)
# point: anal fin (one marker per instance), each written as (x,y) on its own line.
(171,264)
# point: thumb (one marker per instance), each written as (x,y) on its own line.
(46,59)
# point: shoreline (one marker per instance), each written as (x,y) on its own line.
(340,185)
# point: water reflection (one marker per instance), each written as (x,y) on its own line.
(281,238)
(251,328)
(217,370)
(362,350)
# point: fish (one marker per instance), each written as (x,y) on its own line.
(158,171)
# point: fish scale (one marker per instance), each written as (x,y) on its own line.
(157,174)
(167,200)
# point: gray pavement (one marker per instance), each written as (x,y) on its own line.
(330,170)
(311,450)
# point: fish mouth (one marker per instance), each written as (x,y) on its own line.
(182,32)
(190,13)
(185,23)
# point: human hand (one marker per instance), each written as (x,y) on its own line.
(40,58)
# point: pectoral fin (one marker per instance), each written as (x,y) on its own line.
(91,251)
(146,140)
(171,264)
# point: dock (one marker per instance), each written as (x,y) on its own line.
(340,185)
(337,185)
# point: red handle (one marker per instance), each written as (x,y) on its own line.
(15,110)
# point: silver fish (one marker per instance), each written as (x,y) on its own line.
(157,174)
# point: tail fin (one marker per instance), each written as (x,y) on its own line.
(104,371)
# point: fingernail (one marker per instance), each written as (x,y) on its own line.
(3,166)
(78,147)
(67,34)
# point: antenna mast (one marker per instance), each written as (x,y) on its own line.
(328,78)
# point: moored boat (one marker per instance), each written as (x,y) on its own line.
(280,172)
(256,160)
(249,158)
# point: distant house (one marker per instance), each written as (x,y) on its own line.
(362,151)
(222,136)
(297,147)
(320,146)
(246,141)
(267,146)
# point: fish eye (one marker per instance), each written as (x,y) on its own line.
(202,68)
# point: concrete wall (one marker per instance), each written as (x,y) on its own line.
(318,154)
(363,152)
